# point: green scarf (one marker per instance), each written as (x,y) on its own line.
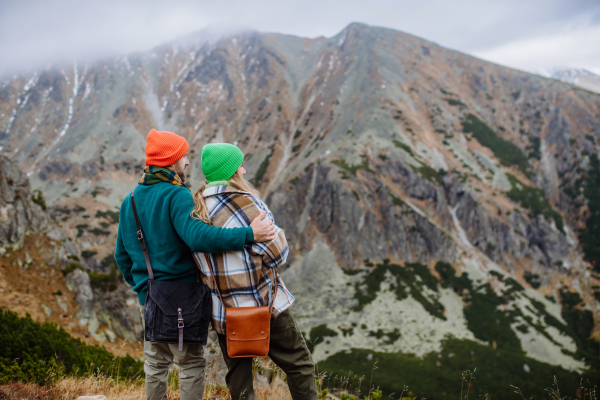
(154,174)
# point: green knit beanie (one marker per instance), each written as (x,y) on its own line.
(220,161)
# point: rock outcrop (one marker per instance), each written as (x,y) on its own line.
(22,210)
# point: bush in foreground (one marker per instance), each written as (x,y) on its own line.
(36,352)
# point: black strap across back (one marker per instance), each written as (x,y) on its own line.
(175,312)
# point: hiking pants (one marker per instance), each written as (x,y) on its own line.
(288,351)
(158,358)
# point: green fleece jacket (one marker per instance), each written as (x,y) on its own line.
(171,235)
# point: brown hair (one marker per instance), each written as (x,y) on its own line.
(200,210)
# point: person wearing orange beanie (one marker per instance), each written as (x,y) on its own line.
(165,148)
(164,206)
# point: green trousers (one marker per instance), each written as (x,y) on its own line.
(158,358)
(288,351)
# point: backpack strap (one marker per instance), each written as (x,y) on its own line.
(140,236)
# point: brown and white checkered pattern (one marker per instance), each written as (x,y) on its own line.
(245,278)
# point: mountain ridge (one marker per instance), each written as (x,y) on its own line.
(372,145)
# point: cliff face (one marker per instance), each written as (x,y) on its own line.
(40,274)
(21,211)
(379,153)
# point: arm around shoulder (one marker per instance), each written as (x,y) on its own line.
(200,236)
(274,252)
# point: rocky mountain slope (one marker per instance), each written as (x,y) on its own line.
(40,274)
(426,194)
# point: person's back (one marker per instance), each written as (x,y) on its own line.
(164,205)
(248,278)
(253,266)
(163,209)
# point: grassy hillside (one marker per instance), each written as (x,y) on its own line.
(33,351)
(438,376)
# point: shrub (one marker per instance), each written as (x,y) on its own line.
(406,282)
(534,148)
(80,229)
(533,199)
(453,102)
(98,231)
(353,168)
(70,267)
(532,279)
(31,351)
(484,319)
(317,335)
(436,375)
(112,216)
(88,253)
(590,235)
(38,198)
(105,282)
(403,146)
(428,173)
(262,169)
(580,325)
(507,152)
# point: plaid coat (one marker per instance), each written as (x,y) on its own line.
(245,278)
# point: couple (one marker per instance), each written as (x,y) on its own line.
(225,218)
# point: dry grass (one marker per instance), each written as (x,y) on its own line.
(70,387)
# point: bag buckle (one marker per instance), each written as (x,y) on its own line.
(179,319)
(140,235)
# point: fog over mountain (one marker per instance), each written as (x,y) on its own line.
(531,35)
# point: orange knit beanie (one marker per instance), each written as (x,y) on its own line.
(164,148)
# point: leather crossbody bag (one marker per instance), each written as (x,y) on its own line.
(175,312)
(247,329)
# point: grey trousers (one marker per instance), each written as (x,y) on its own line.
(158,359)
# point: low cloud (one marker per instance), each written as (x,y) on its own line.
(578,48)
(526,34)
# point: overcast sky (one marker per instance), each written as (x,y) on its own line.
(532,35)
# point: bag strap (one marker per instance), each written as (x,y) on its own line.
(140,236)
(275,278)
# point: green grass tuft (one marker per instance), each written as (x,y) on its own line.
(262,169)
(403,146)
(364,165)
(406,284)
(507,152)
(533,199)
(428,173)
(590,235)
(318,335)
(38,198)
(112,216)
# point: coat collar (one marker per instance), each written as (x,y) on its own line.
(216,190)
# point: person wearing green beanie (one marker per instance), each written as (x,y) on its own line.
(248,278)
(220,161)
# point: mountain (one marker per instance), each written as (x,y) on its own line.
(442,211)
(580,77)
